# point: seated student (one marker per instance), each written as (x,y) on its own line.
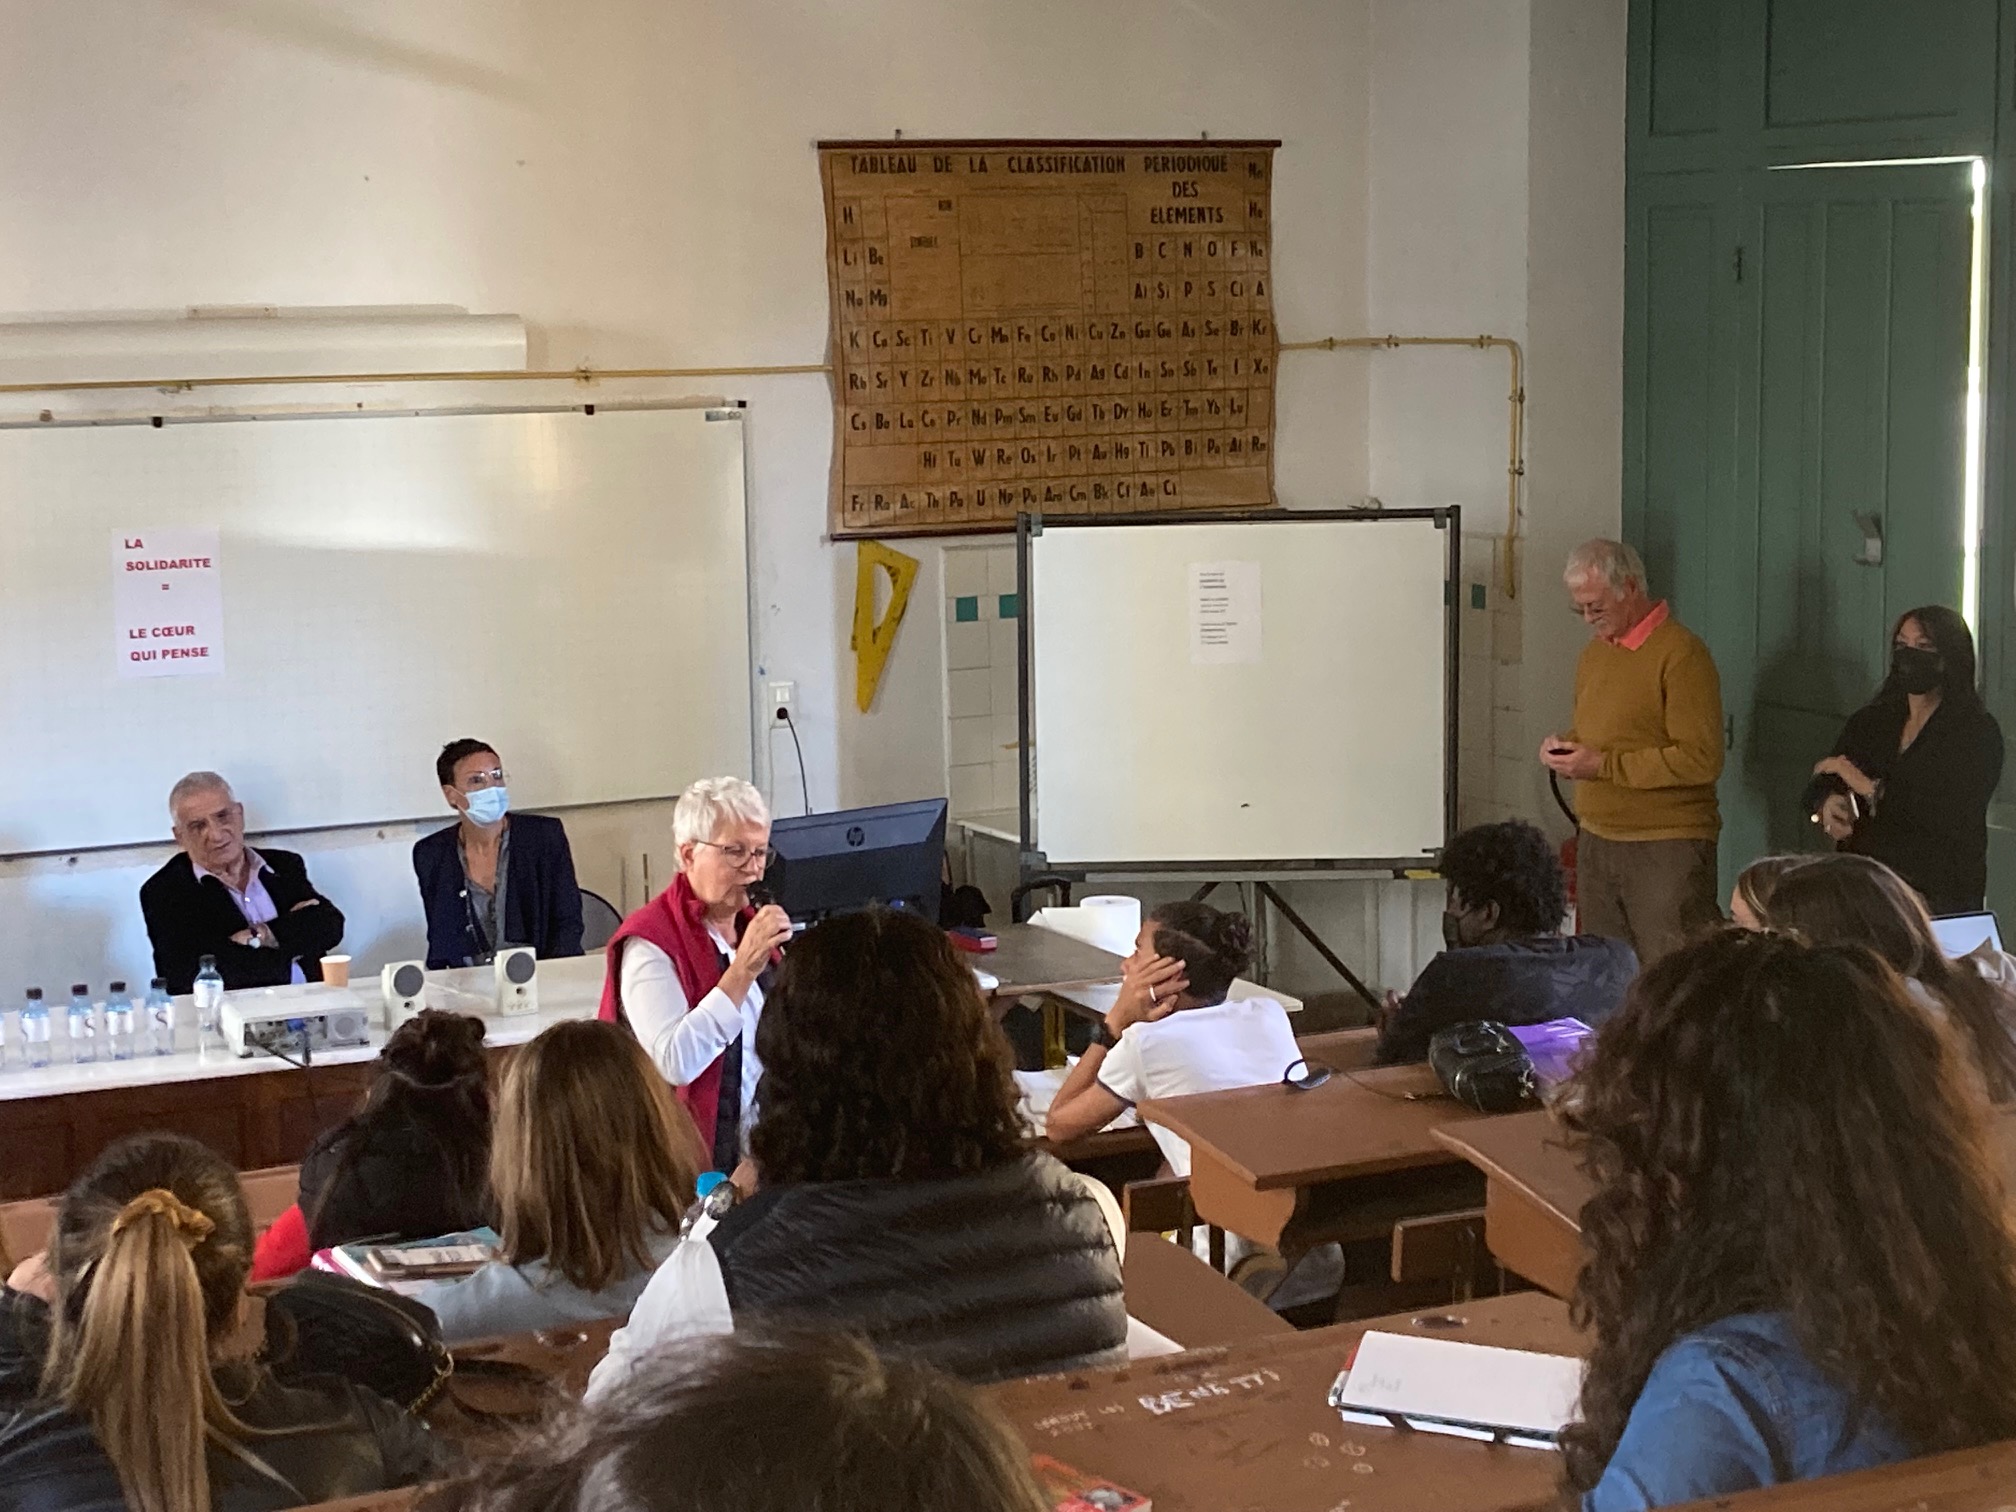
(592,1167)
(1798,1258)
(767,1422)
(895,1194)
(493,878)
(412,1162)
(255,911)
(1756,884)
(1847,899)
(1172,1029)
(141,1402)
(1506,958)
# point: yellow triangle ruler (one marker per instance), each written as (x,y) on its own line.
(872,637)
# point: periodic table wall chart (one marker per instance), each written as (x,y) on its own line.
(1081,328)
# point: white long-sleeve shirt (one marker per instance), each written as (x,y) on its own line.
(687,1299)
(684,1039)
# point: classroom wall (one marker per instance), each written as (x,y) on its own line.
(635,179)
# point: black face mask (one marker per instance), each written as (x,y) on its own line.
(1916,670)
(1452,930)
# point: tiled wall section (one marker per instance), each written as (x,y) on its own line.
(1494,772)
(980,629)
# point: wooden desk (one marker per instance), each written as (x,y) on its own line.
(1169,1289)
(1249,1427)
(1292,1168)
(1534,1190)
(1533,1194)
(1176,1294)
(1967,1480)
(1030,960)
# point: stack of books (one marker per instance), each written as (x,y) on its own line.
(409,1265)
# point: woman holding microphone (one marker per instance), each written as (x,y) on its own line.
(688,970)
(1910,778)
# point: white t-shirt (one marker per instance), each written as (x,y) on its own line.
(1247,1043)
(684,1040)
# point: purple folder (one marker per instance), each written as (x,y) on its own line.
(1552,1047)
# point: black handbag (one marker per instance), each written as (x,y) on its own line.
(321,1323)
(1482,1066)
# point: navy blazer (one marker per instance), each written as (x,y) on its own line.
(542,902)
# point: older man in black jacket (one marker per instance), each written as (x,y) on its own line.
(255,911)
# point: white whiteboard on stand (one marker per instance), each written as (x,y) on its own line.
(1265,690)
(572,587)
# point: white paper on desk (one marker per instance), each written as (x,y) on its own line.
(1445,1385)
(1108,923)
(1224,613)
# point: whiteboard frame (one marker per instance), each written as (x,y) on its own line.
(1035,864)
(715,408)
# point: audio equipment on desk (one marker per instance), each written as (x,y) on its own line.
(308,1015)
(517,969)
(403,985)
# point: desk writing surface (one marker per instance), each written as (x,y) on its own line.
(1175,1293)
(1529,1152)
(1275,1137)
(1965,1480)
(1029,959)
(1247,1427)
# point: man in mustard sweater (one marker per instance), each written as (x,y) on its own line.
(1644,752)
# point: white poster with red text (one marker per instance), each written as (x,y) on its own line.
(168,602)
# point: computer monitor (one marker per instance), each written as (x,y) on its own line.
(1962,934)
(836,863)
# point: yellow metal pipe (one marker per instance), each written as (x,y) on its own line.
(1515,465)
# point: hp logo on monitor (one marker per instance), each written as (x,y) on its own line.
(856,837)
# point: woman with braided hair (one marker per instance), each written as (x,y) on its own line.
(139,1401)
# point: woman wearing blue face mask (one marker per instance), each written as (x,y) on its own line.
(1910,778)
(494,878)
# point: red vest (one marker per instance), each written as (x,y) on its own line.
(676,922)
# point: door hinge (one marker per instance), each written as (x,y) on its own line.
(1736,263)
(1729,733)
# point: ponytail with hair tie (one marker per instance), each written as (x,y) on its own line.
(190,1225)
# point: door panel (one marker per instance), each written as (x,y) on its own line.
(1860,321)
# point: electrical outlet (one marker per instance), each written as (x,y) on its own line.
(783,695)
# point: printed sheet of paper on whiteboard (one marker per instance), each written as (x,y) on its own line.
(1224,613)
(167,602)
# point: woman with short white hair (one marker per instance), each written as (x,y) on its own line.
(687,971)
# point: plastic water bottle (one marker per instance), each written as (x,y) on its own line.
(118,1022)
(35,1030)
(209,1003)
(83,1032)
(160,1017)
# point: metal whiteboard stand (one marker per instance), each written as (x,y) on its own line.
(1038,872)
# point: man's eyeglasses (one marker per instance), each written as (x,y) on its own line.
(475,782)
(739,856)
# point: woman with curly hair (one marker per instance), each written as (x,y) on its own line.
(895,1194)
(1506,958)
(1799,1260)
(1851,900)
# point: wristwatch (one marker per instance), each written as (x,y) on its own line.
(1104,1035)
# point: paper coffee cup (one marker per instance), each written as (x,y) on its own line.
(336,971)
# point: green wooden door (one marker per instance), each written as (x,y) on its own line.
(1851,461)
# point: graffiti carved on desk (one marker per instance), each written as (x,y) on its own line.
(1063,328)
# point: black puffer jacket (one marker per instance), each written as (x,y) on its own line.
(327,1438)
(1009,1273)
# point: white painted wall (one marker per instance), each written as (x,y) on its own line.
(636,179)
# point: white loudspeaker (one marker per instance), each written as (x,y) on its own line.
(517,980)
(403,985)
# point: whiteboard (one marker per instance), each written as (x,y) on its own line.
(572,587)
(1318,729)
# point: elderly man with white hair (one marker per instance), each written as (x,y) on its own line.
(1645,752)
(254,910)
(687,971)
